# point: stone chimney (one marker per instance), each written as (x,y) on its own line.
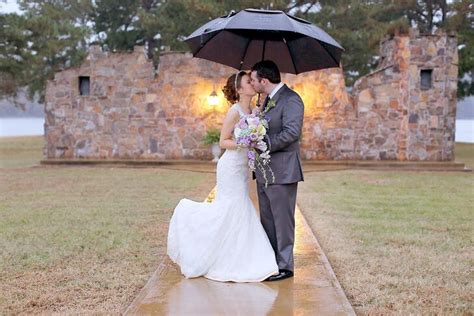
(406,107)
(96,52)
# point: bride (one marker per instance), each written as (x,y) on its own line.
(224,240)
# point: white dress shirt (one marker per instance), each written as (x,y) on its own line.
(275,90)
(271,95)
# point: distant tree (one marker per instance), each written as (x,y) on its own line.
(429,15)
(116,23)
(160,24)
(50,36)
(461,20)
(15,55)
(53,35)
(360,25)
(354,25)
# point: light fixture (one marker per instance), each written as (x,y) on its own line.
(213,99)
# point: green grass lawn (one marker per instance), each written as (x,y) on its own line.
(399,242)
(464,152)
(82,239)
(22,151)
(86,239)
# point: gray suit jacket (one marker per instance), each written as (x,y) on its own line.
(285,123)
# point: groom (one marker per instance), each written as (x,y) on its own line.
(277,201)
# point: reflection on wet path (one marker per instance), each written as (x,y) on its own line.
(313,290)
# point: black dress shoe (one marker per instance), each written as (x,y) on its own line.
(283,274)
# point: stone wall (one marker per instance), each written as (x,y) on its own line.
(130,113)
(133,112)
(396,119)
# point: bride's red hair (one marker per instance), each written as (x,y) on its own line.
(232,85)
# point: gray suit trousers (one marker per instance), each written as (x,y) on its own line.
(277,213)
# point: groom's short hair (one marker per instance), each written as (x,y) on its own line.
(267,69)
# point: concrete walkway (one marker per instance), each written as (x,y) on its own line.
(314,290)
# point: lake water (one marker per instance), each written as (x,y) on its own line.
(22,126)
(464,131)
(34,126)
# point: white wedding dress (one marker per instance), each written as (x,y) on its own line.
(223,240)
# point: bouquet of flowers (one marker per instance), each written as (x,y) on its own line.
(249,132)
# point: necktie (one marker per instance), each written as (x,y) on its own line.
(265,102)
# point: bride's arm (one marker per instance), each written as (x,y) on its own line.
(226,141)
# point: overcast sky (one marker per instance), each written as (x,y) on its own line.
(9,6)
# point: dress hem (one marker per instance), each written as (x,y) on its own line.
(222,280)
(238,281)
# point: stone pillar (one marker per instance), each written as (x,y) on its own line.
(431,116)
(398,119)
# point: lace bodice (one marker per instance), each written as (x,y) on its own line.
(239,108)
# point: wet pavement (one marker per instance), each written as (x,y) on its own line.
(314,289)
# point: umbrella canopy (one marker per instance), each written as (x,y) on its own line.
(244,38)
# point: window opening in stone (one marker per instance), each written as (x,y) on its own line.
(84,85)
(426,80)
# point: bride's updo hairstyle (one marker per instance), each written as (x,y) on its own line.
(232,85)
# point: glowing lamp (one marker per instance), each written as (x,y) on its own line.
(213,99)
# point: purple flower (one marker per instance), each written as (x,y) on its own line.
(253,121)
(245,140)
(251,154)
(242,124)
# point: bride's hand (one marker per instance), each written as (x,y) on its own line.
(242,146)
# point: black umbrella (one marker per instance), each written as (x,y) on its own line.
(244,38)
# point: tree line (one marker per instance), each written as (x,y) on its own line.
(52,35)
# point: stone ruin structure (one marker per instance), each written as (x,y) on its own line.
(117,106)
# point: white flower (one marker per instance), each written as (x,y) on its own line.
(261,145)
(265,155)
(253,121)
(237,132)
